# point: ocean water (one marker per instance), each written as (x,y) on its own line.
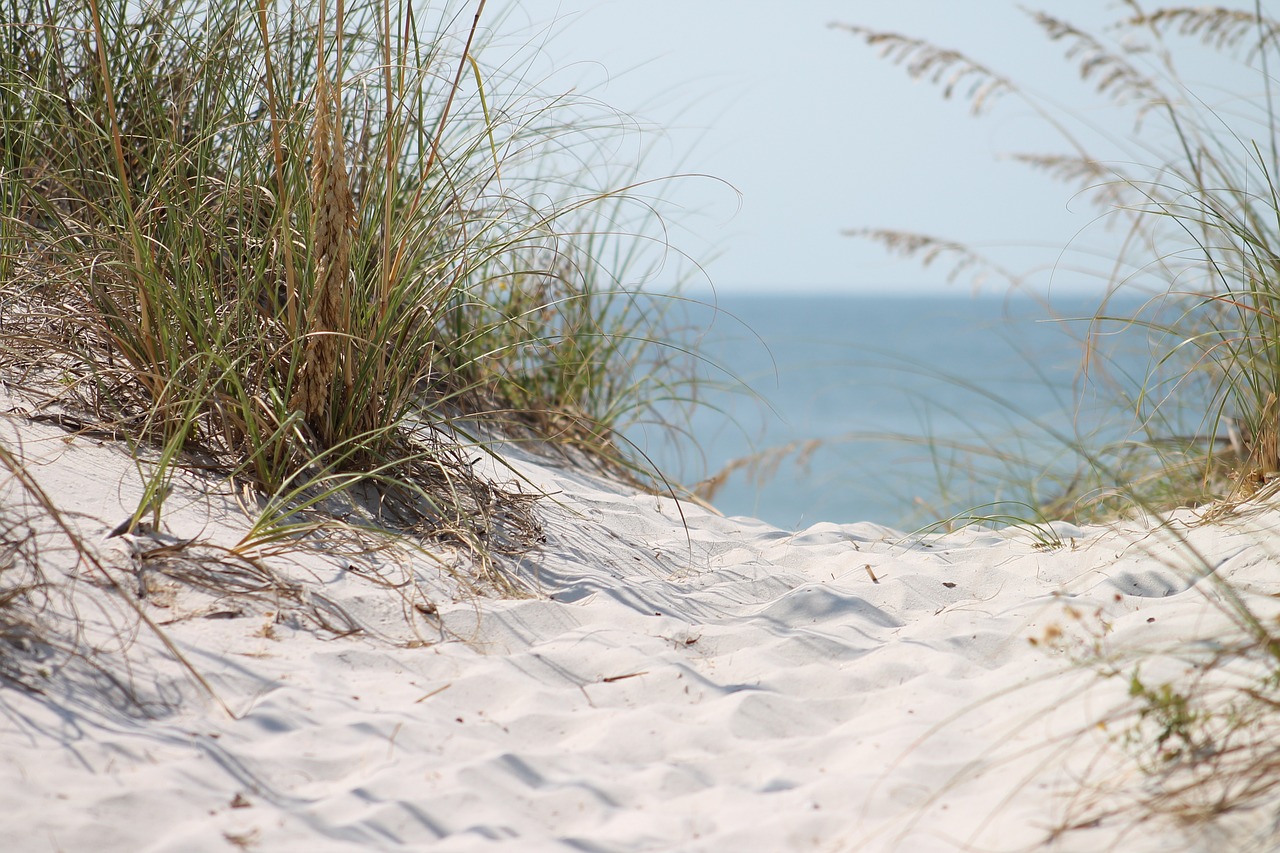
(899,410)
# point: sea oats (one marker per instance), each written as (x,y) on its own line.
(329,336)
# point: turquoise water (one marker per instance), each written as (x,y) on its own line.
(886,386)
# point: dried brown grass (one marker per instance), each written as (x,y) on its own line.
(325,373)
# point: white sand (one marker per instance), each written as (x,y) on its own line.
(695,684)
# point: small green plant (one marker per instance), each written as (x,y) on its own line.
(1170,712)
(1006,514)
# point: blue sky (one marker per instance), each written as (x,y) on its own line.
(815,133)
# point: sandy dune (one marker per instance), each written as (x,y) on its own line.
(680,681)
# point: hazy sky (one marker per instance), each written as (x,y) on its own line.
(816,133)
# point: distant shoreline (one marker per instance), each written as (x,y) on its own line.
(958,294)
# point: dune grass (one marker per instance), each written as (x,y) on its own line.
(1190,193)
(1191,188)
(315,245)
(323,257)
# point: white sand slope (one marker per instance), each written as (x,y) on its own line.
(688,683)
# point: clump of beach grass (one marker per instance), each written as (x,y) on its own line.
(1191,190)
(320,257)
(315,246)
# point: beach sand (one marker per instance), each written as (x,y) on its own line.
(677,681)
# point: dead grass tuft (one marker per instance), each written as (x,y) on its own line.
(325,373)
